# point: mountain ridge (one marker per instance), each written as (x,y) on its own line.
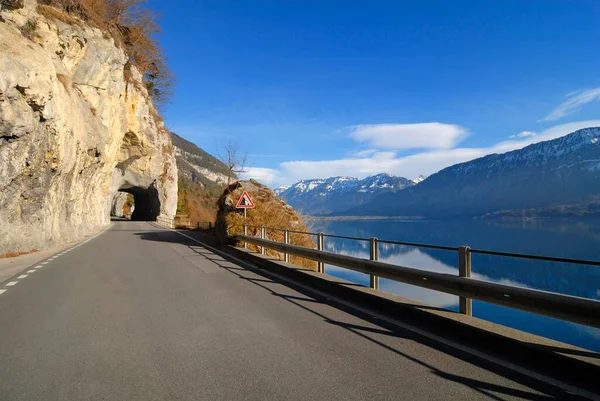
(322,196)
(562,170)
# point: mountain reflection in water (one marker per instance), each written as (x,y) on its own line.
(570,239)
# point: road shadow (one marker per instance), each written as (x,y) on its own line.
(310,298)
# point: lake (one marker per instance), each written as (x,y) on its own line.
(561,238)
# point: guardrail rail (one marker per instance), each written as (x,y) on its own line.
(566,307)
(174,222)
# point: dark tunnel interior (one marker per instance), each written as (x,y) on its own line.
(146,203)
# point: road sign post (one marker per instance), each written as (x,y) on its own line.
(245,202)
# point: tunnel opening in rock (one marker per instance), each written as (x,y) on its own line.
(146,203)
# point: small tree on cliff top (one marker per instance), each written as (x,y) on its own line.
(229,153)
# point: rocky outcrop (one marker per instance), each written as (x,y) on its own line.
(270,211)
(118,203)
(76,126)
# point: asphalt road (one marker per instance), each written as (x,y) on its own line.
(143,313)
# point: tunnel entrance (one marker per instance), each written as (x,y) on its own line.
(146,203)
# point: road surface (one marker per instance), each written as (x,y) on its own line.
(143,313)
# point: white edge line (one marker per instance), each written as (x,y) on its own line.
(44,263)
(12,283)
(22,276)
(38,267)
(30,271)
(2,291)
(463,348)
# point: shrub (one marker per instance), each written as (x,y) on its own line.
(28,29)
(11,4)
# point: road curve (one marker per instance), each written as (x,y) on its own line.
(143,313)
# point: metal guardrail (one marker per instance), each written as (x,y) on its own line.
(171,222)
(566,307)
(166,221)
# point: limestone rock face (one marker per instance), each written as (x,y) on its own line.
(117,204)
(73,132)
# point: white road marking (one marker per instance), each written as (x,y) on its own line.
(435,337)
(11,283)
(2,292)
(22,276)
(38,267)
(44,263)
(30,271)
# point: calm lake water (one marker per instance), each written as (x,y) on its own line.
(571,239)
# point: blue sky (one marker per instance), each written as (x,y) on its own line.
(319,88)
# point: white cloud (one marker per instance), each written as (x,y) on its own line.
(264,175)
(409,136)
(523,134)
(574,101)
(426,163)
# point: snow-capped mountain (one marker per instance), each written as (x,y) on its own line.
(279,190)
(562,171)
(324,196)
(419,179)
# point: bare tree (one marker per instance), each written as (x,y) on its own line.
(229,153)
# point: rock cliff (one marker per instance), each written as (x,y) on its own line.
(76,127)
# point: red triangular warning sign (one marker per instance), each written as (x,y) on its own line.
(245,202)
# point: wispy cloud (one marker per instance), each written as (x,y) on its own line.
(365,153)
(426,162)
(573,103)
(524,134)
(409,136)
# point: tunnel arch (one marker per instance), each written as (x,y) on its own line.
(146,202)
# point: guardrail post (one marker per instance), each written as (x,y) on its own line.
(286,240)
(320,247)
(245,233)
(263,234)
(464,270)
(374,255)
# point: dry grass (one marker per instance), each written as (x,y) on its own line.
(133,28)
(28,29)
(58,14)
(270,211)
(15,254)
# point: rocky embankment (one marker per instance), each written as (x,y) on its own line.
(76,126)
(270,211)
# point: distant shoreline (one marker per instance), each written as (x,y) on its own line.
(490,217)
(348,218)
